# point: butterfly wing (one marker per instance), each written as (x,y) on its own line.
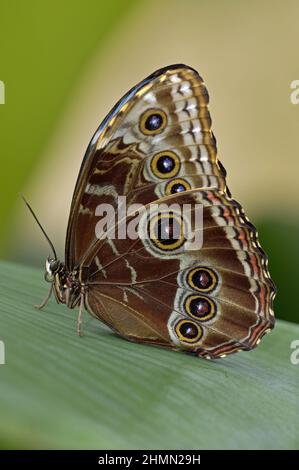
(156,145)
(124,157)
(213,299)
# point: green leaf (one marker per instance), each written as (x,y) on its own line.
(61,391)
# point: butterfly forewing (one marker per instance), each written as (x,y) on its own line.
(123,156)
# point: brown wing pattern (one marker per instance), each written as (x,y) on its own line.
(118,159)
(235,311)
(157,146)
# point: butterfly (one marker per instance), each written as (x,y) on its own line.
(156,146)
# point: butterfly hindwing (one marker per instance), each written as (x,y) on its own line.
(222,289)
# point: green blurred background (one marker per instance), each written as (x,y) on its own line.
(64,65)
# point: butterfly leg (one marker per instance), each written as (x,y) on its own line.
(80,315)
(46,300)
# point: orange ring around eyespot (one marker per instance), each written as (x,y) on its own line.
(183,338)
(173,182)
(170,174)
(208,271)
(152,224)
(206,317)
(146,115)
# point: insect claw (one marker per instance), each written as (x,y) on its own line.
(79,319)
(46,300)
(40,306)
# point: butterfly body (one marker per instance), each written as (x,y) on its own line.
(213,297)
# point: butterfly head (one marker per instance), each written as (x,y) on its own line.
(53,266)
(66,284)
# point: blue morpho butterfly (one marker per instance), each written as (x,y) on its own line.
(156,146)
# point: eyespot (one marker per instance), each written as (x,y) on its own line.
(202,279)
(166,231)
(175,186)
(165,164)
(188,331)
(152,122)
(200,307)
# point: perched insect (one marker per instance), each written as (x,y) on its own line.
(156,146)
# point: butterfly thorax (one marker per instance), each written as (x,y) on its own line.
(67,287)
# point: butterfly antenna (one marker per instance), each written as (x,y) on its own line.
(40,226)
